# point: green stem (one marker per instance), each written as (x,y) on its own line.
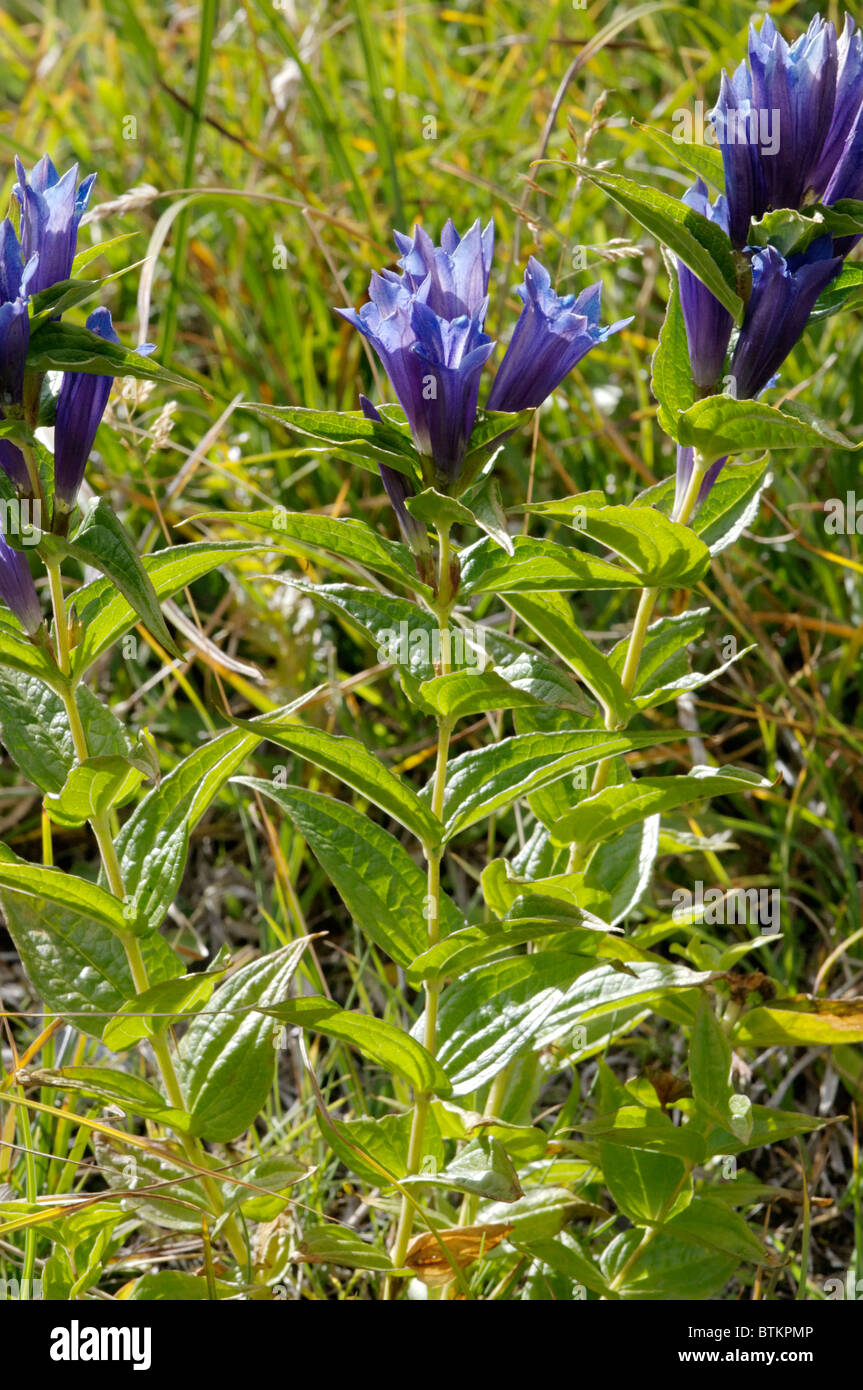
(646,604)
(193,1150)
(433,855)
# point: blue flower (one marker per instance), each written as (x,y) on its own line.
(783,296)
(17,589)
(552,334)
(846,109)
(15,282)
(798,84)
(398,489)
(80,407)
(425,323)
(738,131)
(458,270)
(708,323)
(51,209)
(785,122)
(685,464)
(426,327)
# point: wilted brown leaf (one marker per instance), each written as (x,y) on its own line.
(464,1244)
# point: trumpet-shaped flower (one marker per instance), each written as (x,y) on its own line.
(426,324)
(708,322)
(17,589)
(15,282)
(552,334)
(80,407)
(51,209)
(783,296)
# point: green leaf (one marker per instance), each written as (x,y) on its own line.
(598,817)
(714,1227)
(152,1011)
(665,1269)
(66,890)
(102,541)
(227,1055)
(551,618)
(844,292)
(105,614)
(339,539)
(723,425)
(382,887)
(338,1245)
(67,347)
(710,1060)
(486,779)
(671,379)
(537,566)
(17,651)
(380,1042)
(461,693)
(435,508)
(93,788)
(173,1286)
(76,966)
(729,508)
(355,765)
(663,553)
(647,1187)
(133,1095)
(470,946)
(486,506)
(35,729)
(399,630)
(603,988)
(703,160)
(622,867)
(276,1172)
(482,1169)
(802,1021)
(700,243)
(370,442)
(153,843)
(526,669)
(495,1012)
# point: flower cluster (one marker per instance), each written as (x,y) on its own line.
(33,262)
(426,324)
(808,97)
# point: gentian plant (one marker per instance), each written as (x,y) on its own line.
(501,887)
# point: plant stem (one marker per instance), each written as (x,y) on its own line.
(192,1148)
(433,855)
(646,604)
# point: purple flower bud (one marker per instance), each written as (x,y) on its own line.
(708,323)
(14,341)
(783,296)
(80,407)
(398,488)
(552,334)
(51,209)
(17,589)
(685,464)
